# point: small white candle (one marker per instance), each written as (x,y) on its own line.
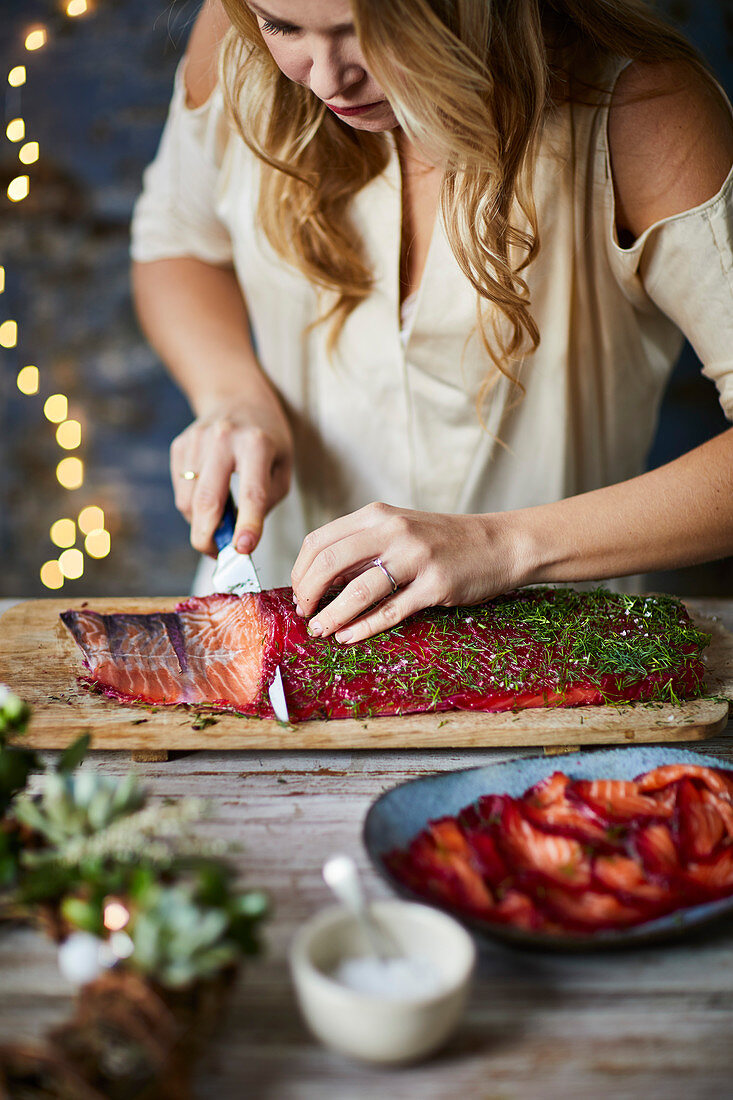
(80,958)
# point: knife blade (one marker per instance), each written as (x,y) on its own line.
(236,573)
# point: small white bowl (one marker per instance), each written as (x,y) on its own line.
(375,1028)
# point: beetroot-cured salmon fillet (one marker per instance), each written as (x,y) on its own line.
(215,651)
(538,647)
(626,858)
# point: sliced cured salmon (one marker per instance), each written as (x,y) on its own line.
(657,844)
(591,910)
(555,858)
(701,826)
(517,908)
(720,781)
(618,800)
(548,807)
(487,857)
(655,847)
(448,864)
(537,647)
(623,876)
(714,877)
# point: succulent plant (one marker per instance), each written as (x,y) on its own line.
(86,838)
(15,767)
(77,805)
(178,940)
(9,860)
(14,713)
(16,764)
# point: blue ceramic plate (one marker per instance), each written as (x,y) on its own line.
(402,812)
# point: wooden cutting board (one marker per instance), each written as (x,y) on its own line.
(40,661)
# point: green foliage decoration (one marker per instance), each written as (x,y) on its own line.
(178,939)
(16,764)
(80,838)
(74,805)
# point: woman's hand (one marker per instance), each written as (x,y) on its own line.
(254,442)
(434,559)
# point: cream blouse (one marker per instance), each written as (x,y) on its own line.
(394,419)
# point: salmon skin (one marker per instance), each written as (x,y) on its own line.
(627,858)
(533,648)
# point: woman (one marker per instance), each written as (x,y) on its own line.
(467,236)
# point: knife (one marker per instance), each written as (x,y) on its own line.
(236,573)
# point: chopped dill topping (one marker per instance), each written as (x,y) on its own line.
(538,640)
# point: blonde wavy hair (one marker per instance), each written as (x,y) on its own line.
(471,83)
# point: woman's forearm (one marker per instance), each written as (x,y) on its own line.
(679,514)
(194,315)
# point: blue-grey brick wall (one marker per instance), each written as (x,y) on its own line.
(95,100)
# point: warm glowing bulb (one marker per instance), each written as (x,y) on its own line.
(8,334)
(28,153)
(36,39)
(68,435)
(19,188)
(16,76)
(56,408)
(51,575)
(76,7)
(15,129)
(71,564)
(70,474)
(27,380)
(2,278)
(63,532)
(116,916)
(97,543)
(91,518)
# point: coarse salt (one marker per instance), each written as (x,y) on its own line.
(406,977)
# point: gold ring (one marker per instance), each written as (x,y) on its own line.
(189,475)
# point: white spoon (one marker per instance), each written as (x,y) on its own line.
(342,876)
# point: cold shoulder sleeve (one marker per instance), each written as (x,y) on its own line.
(683,265)
(176,213)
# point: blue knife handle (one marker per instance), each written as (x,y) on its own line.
(225,531)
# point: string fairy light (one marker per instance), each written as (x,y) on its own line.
(56,407)
(8,334)
(71,564)
(27,380)
(68,435)
(90,521)
(36,39)
(15,129)
(19,188)
(63,533)
(97,543)
(28,153)
(51,575)
(70,473)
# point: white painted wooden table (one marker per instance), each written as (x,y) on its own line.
(652,1023)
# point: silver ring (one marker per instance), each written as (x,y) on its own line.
(189,475)
(380,565)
